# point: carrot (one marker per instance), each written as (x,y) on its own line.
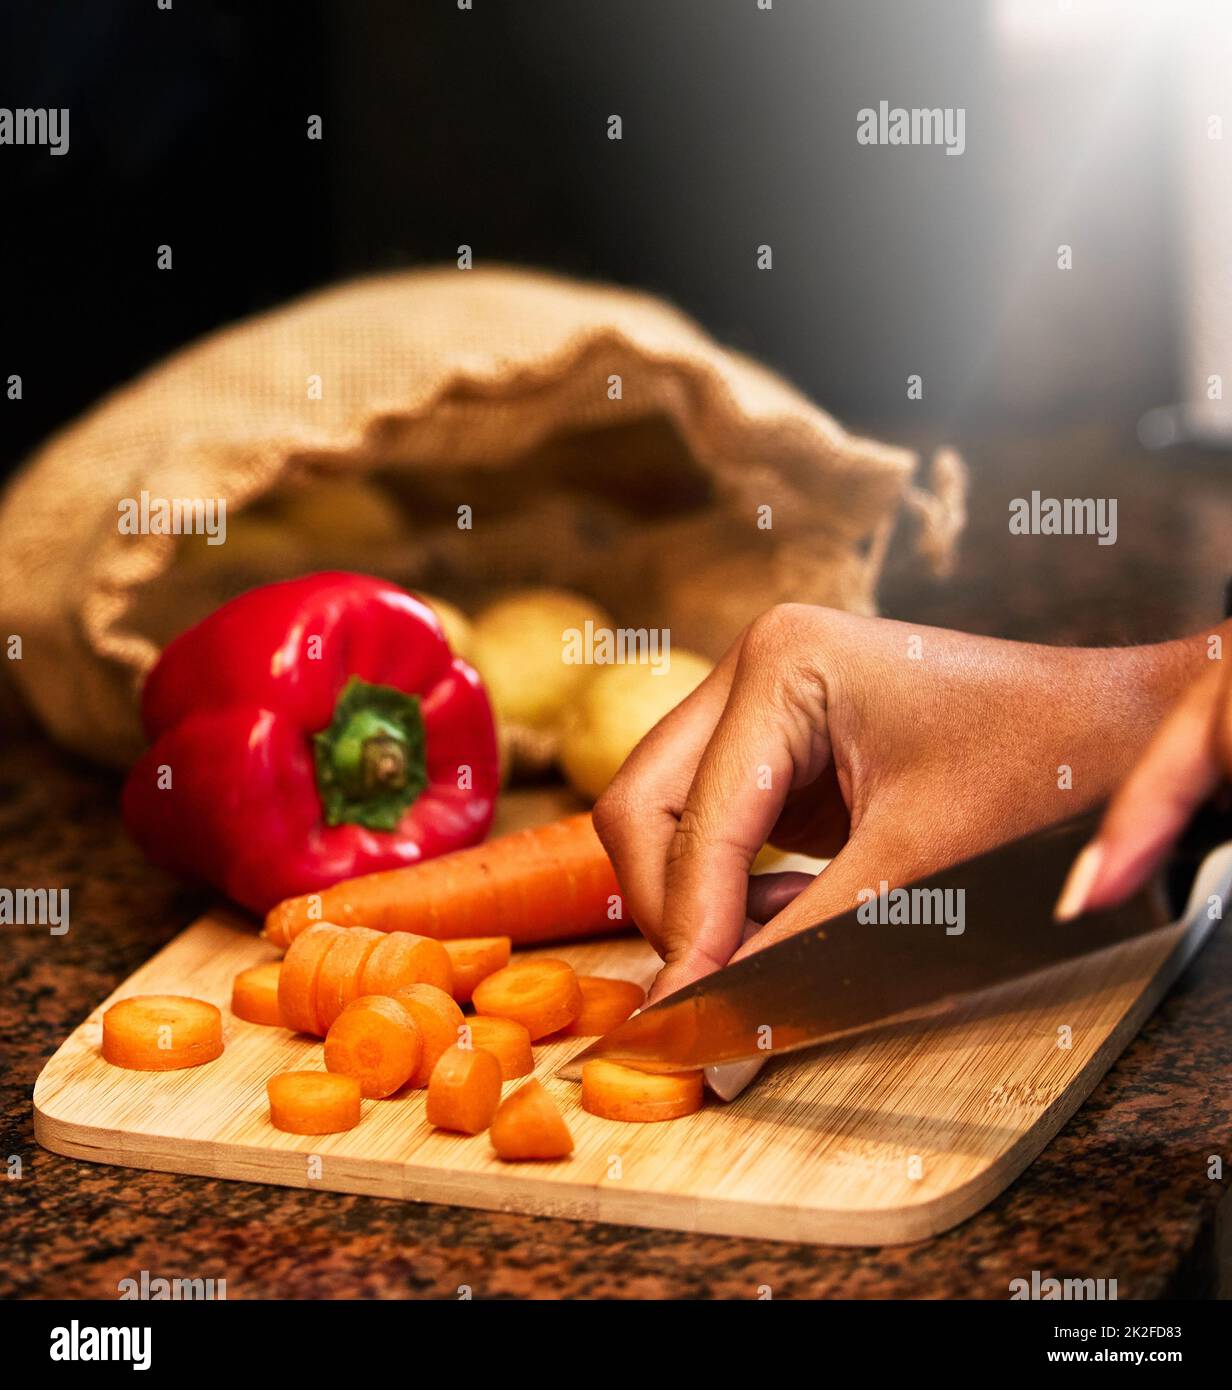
(438,1019)
(161,1032)
(297,983)
(402,959)
(474,958)
(623,1093)
(313,1102)
(542,995)
(338,980)
(378,1042)
(509,1043)
(464,1090)
(605,1003)
(254,993)
(527,1124)
(549,883)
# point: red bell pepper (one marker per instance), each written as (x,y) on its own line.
(307,732)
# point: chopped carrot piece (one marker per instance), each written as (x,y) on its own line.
(542,884)
(313,1102)
(509,1043)
(254,993)
(338,980)
(623,1093)
(527,1124)
(402,959)
(301,967)
(439,1021)
(605,1003)
(475,958)
(542,995)
(464,1090)
(377,1041)
(161,1032)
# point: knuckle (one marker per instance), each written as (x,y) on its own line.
(773,626)
(696,836)
(785,636)
(691,958)
(688,838)
(611,815)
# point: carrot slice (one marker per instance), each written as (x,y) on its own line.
(338,980)
(161,1032)
(623,1093)
(438,1019)
(377,1041)
(527,1124)
(542,995)
(542,884)
(254,993)
(509,1043)
(605,1003)
(297,983)
(402,959)
(464,1090)
(313,1102)
(475,958)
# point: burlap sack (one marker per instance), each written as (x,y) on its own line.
(600,440)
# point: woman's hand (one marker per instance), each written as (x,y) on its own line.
(896,749)
(1189,756)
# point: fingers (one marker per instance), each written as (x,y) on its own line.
(860,864)
(636,817)
(1183,764)
(769,894)
(761,745)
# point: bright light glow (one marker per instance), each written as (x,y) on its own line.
(1069,24)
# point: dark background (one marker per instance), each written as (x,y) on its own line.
(188,128)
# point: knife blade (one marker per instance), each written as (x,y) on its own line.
(917,951)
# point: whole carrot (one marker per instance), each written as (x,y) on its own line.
(551,883)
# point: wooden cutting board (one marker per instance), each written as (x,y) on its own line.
(887,1137)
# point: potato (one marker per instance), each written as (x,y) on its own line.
(259,547)
(342,515)
(333,522)
(518,647)
(456,624)
(616,710)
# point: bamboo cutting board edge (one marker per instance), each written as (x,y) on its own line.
(550,1190)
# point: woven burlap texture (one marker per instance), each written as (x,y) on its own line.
(601,439)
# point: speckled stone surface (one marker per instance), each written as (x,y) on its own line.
(1123,1192)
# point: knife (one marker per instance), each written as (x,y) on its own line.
(979,923)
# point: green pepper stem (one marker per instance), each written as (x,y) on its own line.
(370,760)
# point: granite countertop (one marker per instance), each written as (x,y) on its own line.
(1123,1191)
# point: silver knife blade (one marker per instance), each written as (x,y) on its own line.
(849,972)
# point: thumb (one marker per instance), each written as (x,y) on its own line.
(861,864)
(1183,764)
(828,893)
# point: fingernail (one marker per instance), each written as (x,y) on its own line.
(1082,875)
